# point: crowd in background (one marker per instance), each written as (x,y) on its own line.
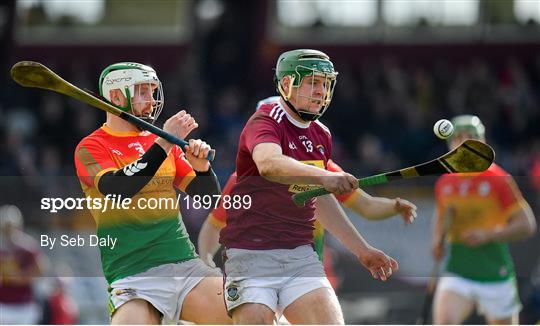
(381,115)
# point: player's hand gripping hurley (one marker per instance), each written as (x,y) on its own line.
(470,156)
(35,74)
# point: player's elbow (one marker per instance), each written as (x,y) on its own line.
(531,226)
(528,217)
(266,168)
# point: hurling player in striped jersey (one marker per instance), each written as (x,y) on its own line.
(271,267)
(360,202)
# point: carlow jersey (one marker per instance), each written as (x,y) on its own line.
(146,236)
(273,221)
(218,216)
(480,201)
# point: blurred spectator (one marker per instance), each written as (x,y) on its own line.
(382,113)
(21,265)
(535,172)
(59,308)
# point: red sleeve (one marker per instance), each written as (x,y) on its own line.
(92,160)
(261,129)
(218,217)
(507,191)
(535,172)
(438,192)
(334,167)
(438,187)
(184,172)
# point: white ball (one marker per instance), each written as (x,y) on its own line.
(443,129)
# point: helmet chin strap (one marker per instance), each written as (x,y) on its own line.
(306,116)
(302,115)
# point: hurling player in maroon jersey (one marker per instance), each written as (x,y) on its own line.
(21,263)
(271,267)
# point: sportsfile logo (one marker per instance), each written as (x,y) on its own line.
(119,202)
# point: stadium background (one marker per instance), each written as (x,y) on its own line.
(402,65)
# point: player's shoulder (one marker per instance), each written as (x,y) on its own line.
(96,138)
(266,101)
(495,170)
(322,126)
(445,179)
(26,243)
(269,111)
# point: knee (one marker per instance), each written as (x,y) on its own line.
(253,313)
(136,311)
(445,318)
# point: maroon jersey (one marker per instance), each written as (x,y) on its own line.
(273,221)
(17,257)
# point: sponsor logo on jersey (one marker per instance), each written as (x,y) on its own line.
(447,189)
(292,145)
(138,147)
(321,149)
(301,188)
(296,188)
(134,167)
(484,188)
(116,152)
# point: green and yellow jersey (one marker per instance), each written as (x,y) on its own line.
(480,201)
(145,237)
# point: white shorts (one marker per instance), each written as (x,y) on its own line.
(20,314)
(274,278)
(165,287)
(495,300)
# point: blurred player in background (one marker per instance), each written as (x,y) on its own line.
(371,208)
(270,264)
(484,211)
(153,272)
(21,264)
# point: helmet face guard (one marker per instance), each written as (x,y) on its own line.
(125,76)
(299,64)
(156,99)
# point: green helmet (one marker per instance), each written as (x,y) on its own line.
(470,124)
(124,76)
(303,63)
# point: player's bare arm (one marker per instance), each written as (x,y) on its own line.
(334,219)
(276,167)
(441,224)
(521,224)
(208,242)
(379,208)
